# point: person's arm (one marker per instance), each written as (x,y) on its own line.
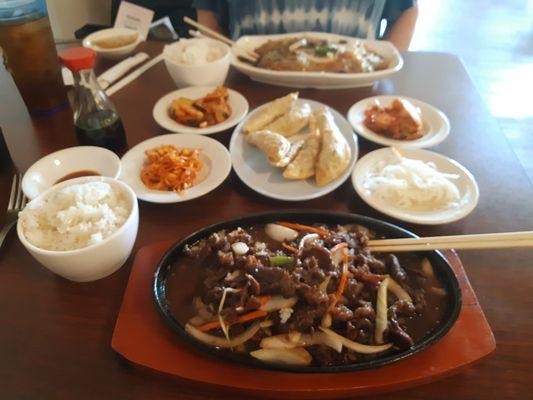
(209,19)
(401,33)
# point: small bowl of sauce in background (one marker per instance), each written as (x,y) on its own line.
(69,163)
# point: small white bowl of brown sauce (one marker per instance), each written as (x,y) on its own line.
(69,163)
(113,43)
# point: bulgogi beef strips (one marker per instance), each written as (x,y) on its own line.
(295,294)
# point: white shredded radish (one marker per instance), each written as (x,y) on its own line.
(412,184)
(240,248)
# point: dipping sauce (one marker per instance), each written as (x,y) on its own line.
(77,174)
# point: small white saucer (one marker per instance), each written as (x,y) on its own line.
(237,102)
(435,124)
(45,172)
(213,155)
(466,184)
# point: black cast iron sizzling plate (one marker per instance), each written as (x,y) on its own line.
(441,267)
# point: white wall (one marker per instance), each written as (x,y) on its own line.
(66,16)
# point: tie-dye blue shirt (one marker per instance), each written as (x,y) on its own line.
(358,18)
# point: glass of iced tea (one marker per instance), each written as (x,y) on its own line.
(29,54)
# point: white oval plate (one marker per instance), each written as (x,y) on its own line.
(466,184)
(253,169)
(435,124)
(214,156)
(238,103)
(318,79)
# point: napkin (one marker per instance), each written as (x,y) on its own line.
(115,72)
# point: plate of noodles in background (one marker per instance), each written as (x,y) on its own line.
(200,109)
(415,185)
(174,168)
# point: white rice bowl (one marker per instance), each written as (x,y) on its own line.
(193,52)
(75,216)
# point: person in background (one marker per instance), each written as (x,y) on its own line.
(357,18)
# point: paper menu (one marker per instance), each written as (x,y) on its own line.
(134,17)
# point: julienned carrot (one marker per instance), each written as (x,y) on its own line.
(300,227)
(290,248)
(263,299)
(242,318)
(208,326)
(342,284)
(252,315)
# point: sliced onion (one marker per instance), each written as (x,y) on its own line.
(278,342)
(220,341)
(438,290)
(278,302)
(381,311)
(337,253)
(240,248)
(296,45)
(296,356)
(280,233)
(326,320)
(286,342)
(357,347)
(309,236)
(427,268)
(197,321)
(324,285)
(202,309)
(398,291)
(294,336)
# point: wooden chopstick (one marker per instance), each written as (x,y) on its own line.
(479,241)
(454,238)
(248,54)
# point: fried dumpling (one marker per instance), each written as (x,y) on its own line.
(270,112)
(303,165)
(279,150)
(335,153)
(291,122)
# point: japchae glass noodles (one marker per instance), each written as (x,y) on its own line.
(413,184)
(312,54)
(301,295)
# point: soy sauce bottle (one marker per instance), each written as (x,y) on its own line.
(96,120)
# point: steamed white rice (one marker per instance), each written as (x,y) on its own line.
(193,52)
(74,217)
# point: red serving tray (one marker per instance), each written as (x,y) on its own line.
(142,337)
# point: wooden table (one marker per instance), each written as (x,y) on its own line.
(55,335)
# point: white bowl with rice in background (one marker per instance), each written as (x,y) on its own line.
(83,229)
(197,62)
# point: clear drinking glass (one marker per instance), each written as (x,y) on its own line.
(29,53)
